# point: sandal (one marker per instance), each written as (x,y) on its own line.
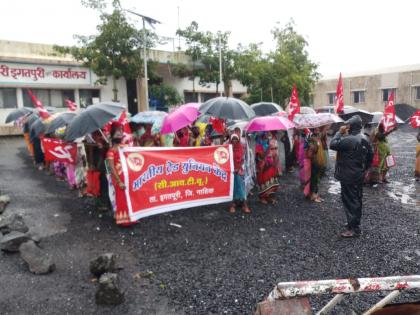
(232,209)
(264,201)
(246,210)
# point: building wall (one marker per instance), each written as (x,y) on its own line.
(405,83)
(29,56)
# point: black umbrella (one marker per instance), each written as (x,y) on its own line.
(18,113)
(227,108)
(30,119)
(63,119)
(36,128)
(266,108)
(93,118)
(350,112)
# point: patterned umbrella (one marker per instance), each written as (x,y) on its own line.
(148,117)
(315,120)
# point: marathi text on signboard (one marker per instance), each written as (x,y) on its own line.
(165,179)
(43,74)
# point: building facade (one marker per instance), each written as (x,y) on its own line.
(370,90)
(53,78)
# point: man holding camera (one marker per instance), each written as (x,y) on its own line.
(354,156)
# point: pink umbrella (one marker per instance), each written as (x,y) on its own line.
(267,123)
(180,117)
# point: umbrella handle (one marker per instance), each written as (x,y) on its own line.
(105,138)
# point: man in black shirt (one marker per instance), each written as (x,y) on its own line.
(354,156)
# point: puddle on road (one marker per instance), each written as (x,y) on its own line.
(334,187)
(406,194)
(398,191)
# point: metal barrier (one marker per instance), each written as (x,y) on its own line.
(296,293)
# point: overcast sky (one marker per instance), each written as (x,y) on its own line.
(344,36)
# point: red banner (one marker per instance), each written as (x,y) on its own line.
(160,180)
(339,102)
(415,119)
(388,120)
(58,150)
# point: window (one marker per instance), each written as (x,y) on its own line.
(358,97)
(331,98)
(206,96)
(190,97)
(88,97)
(387,92)
(53,98)
(8,98)
(417,92)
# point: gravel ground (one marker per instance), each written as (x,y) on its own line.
(216,262)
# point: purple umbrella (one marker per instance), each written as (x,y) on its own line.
(180,117)
(268,123)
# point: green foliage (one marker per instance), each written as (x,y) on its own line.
(271,76)
(115,51)
(166,94)
(268,76)
(203,48)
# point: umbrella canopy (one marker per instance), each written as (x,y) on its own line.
(305,110)
(316,120)
(92,118)
(179,118)
(62,119)
(227,108)
(351,111)
(404,111)
(269,123)
(377,116)
(266,108)
(148,117)
(18,113)
(36,128)
(232,124)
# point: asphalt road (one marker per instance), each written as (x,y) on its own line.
(216,262)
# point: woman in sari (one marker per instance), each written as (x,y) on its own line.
(379,168)
(114,163)
(417,170)
(239,191)
(147,139)
(268,165)
(316,153)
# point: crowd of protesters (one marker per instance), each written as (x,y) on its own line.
(260,159)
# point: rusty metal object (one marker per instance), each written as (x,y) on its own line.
(285,290)
(298,306)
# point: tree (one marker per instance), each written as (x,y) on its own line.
(270,77)
(165,95)
(203,48)
(115,51)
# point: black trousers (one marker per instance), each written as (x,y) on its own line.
(352,195)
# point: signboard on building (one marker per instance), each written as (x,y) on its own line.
(28,74)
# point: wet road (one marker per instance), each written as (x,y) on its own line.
(205,260)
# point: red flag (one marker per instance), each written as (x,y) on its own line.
(128,134)
(72,106)
(58,150)
(38,105)
(294,104)
(339,102)
(415,119)
(388,120)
